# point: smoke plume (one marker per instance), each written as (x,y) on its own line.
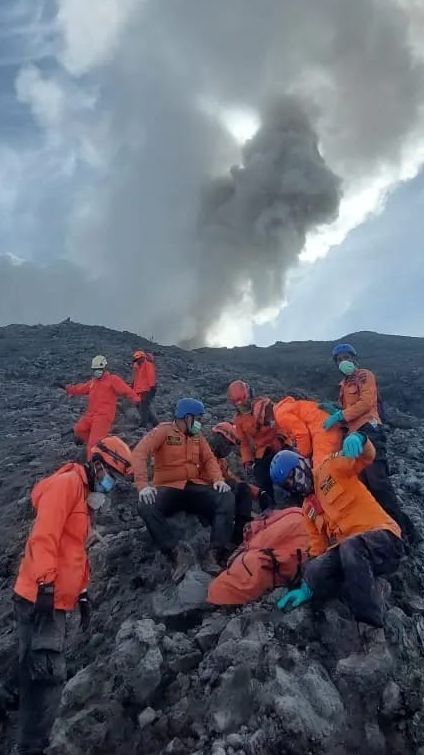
(116,185)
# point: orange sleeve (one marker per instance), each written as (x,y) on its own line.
(142,453)
(353,467)
(317,542)
(366,401)
(53,510)
(123,389)
(245,449)
(296,430)
(209,463)
(80,389)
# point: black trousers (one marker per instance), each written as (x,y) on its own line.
(350,569)
(243,510)
(377,480)
(262,475)
(42,674)
(201,500)
(147,414)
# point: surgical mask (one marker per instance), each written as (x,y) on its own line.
(196,427)
(105,485)
(97,374)
(347,367)
(95,501)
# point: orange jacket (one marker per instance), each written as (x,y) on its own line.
(143,377)
(228,475)
(55,549)
(178,458)
(302,423)
(359,399)
(103,394)
(342,506)
(254,439)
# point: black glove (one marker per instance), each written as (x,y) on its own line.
(85,610)
(44,603)
(59,385)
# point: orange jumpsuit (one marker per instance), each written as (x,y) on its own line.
(359,399)
(55,549)
(302,423)
(103,394)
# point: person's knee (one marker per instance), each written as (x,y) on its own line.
(225,503)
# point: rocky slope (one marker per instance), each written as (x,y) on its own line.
(159,672)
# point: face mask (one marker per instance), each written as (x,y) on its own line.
(347,367)
(97,374)
(105,485)
(196,427)
(95,501)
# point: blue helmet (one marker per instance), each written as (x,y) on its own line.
(189,406)
(282,464)
(344,348)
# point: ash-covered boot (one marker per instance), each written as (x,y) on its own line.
(184,557)
(210,562)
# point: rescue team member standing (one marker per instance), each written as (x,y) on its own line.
(359,401)
(144,385)
(103,391)
(187,478)
(53,579)
(352,538)
(259,441)
(301,422)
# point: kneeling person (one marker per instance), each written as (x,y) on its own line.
(187,478)
(352,538)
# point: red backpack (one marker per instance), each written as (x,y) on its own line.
(271,555)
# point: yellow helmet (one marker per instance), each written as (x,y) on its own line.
(99,363)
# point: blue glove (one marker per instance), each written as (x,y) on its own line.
(353,445)
(333,420)
(295,598)
(329,407)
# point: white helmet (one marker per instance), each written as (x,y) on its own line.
(99,363)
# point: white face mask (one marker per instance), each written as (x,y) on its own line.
(95,501)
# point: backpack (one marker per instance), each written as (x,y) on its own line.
(274,547)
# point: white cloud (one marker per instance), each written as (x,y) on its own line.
(92,31)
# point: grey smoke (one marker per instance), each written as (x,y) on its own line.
(156,250)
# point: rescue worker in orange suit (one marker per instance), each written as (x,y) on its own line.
(223,441)
(352,539)
(144,385)
(53,579)
(188,478)
(359,400)
(255,427)
(301,422)
(103,391)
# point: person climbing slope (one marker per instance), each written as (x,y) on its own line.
(352,539)
(359,399)
(53,579)
(103,391)
(144,385)
(259,441)
(301,422)
(187,478)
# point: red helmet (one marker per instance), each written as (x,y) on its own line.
(115,454)
(228,431)
(263,411)
(239,392)
(138,355)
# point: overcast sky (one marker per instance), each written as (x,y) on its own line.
(129,196)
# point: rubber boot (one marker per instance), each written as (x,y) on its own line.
(183,557)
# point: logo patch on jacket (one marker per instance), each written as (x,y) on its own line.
(173,440)
(327,485)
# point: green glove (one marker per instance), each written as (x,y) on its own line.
(333,420)
(295,598)
(353,445)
